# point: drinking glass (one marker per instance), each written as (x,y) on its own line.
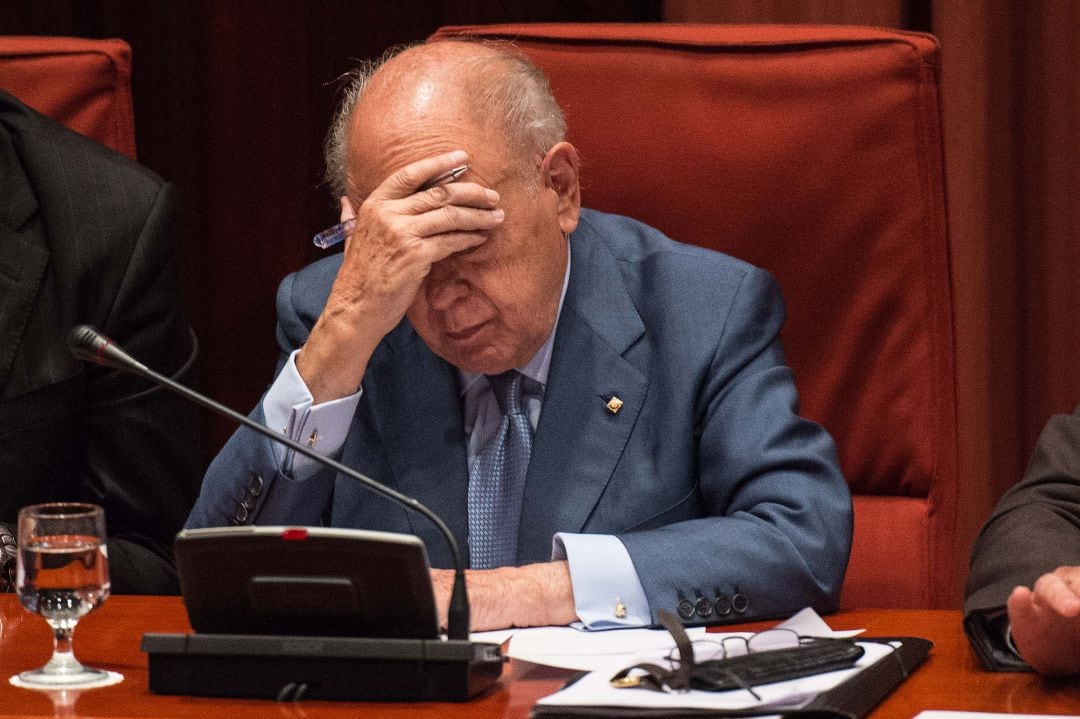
(62,574)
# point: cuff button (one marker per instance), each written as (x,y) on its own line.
(703,607)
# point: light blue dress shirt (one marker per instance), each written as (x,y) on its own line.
(607,591)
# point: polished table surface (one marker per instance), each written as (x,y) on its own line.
(951,678)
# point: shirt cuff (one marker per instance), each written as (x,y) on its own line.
(607,591)
(287,407)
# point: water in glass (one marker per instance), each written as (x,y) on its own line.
(63,577)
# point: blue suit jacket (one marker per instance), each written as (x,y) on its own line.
(707,474)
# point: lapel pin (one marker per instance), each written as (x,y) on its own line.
(620,609)
(614,404)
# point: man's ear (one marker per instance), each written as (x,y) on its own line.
(560,172)
(346,209)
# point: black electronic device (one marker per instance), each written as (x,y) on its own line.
(320,668)
(306,581)
(416,667)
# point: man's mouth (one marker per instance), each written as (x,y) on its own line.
(465,334)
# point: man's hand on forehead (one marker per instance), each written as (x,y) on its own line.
(401,229)
(423,174)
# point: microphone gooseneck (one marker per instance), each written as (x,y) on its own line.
(89,345)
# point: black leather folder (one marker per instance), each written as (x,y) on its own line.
(852,699)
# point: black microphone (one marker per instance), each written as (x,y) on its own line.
(87,344)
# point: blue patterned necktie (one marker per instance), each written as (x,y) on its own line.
(497,479)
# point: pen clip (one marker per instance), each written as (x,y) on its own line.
(445,178)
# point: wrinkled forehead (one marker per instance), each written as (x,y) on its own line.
(413,108)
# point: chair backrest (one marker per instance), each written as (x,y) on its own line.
(84,84)
(815,152)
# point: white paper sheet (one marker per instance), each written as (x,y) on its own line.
(582,650)
(496,637)
(571,648)
(808,623)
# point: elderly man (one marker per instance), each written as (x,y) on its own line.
(602,413)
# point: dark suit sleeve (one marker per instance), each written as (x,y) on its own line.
(141,444)
(1034,529)
(92,242)
(245,480)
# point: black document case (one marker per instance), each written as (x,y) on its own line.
(852,699)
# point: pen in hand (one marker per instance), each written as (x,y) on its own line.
(338,233)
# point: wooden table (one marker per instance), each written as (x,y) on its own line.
(951,678)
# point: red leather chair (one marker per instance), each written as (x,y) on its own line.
(84,84)
(816,153)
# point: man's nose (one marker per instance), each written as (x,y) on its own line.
(442,289)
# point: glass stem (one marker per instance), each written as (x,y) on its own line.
(63,660)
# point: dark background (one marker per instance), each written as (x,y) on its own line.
(232,102)
(232,99)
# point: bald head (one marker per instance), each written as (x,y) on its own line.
(416,93)
(421,80)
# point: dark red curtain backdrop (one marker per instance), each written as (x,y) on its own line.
(232,98)
(1013,156)
(232,101)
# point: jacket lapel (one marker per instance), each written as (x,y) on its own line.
(24,255)
(579,439)
(414,395)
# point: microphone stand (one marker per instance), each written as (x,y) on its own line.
(87,344)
